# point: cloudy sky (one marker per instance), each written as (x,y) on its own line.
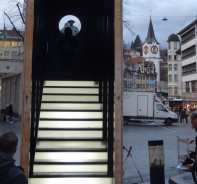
(179,13)
(8,6)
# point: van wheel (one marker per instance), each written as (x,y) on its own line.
(168,122)
(125,121)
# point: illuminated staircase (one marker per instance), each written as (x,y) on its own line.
(70,146)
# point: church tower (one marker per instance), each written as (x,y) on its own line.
(151,52)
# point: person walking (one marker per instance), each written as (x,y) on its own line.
(9,172)
(10,112)
(186,115)
(179,116)
(182,115)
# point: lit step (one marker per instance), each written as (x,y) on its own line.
(71,90)
(71,144)
(71,106)
(70,124)
(70,157)
(71,115)
(70,180)
(70,83)
(70,98)
(69,134)
(89,168)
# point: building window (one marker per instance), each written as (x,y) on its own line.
(1,53)
(187,87)
(175,78)
(176,91)
(190,52)
(170,57)
(1,43)
(170,90)
(20,43)
(14,44)
(174,57)
(6,54)
(14,55)
(189,69)
(170,67)
(169,46)
(6,44)
(131,76)
(193,84)
(175,67)
(175,45)
(188,36)
(170,78)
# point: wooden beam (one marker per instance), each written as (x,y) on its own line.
(118,174)
(27,86)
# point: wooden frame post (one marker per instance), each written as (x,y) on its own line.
(118,172)
(27,81)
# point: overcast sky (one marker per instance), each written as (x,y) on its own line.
(179,13)
(8,6)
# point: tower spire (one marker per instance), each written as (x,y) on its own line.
(151,35)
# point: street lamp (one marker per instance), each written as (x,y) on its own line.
(164,19)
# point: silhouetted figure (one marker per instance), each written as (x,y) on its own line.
(68,44)
(75,29)
(69,24)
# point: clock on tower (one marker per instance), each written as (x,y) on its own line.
(154,49)
(146,49)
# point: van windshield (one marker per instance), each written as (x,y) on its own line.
(160,107)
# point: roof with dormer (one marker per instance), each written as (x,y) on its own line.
(131,61)
(151,35)
(135,60)
(10,35)
(149,64)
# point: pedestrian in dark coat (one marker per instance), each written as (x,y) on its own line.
(182,115)
(10,112)
(180,108)
(9,172)
(186,115)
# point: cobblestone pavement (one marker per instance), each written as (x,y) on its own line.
(11,127)
(16,128)
(137,136)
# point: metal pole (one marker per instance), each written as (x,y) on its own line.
(187,147)
(178,148)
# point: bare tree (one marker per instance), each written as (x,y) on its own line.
(127,23)
(15,15)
